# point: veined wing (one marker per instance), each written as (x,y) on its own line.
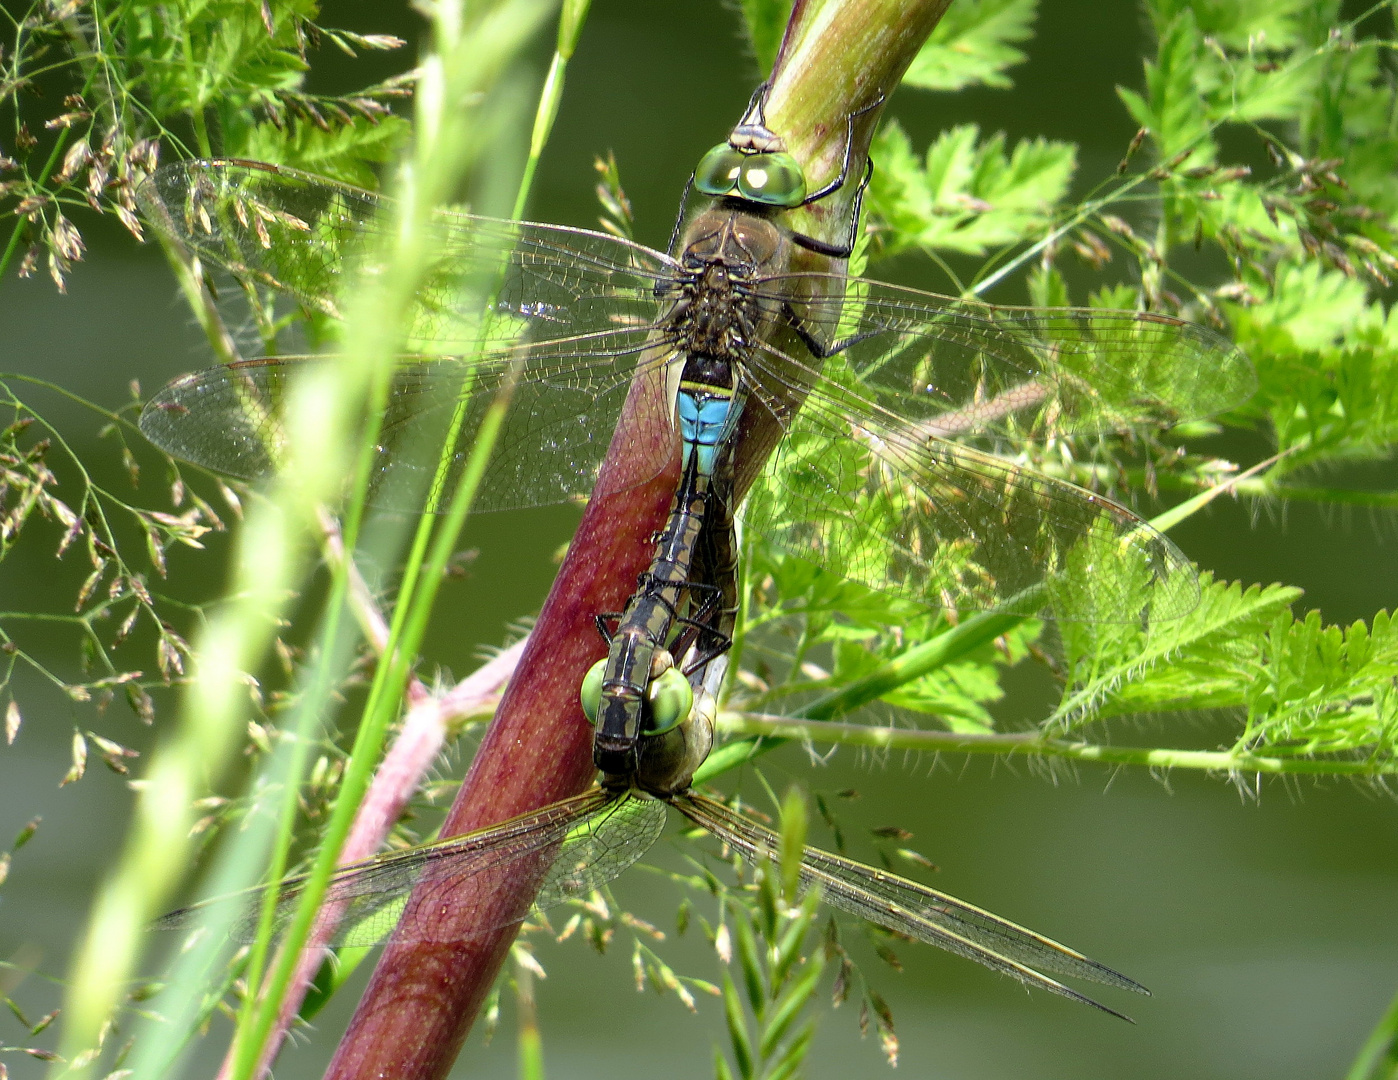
(891,473)
(560,315)
(306,237)
(564,405)
(574,845)
(907,907)
(980,372)
(856,490)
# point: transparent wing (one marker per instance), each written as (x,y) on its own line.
(575,845)
(556,433)
(909,908)
(966,369)
(896,470)
(853,490)
(563,313)
(304,236)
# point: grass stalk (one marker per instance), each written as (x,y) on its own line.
(472,52)
(761,733)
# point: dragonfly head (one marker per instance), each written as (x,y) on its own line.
(767,177)
(650,737)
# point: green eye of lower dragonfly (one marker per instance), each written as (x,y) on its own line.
(591,691)
(671,699)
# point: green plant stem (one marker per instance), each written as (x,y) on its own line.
(929,656)
(530,1041)
(765,733)
(570,24)
(501,31)
(1378,1058)
(332,653)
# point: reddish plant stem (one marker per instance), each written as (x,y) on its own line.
(401,773)
(423,997)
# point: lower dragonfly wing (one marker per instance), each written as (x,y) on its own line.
(907,907)
(898,506)
(571,847)
(564,399)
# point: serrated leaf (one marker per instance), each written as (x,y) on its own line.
(968,195)
(344,153)
(973,45)
(1194,662)
(1172,108)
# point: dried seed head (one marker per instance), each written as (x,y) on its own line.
(67,240)
(79,155)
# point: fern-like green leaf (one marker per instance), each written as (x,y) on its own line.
(1171,108)
(973,45)
(968,195)
(1201,661)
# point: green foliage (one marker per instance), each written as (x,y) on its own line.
(135,80)
(766,22)
(973,45)
(1301,256)
(1295,261)
(1304,690)
(969,195)
(811,632)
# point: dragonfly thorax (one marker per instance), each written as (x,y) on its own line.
(749,245)
(717,310)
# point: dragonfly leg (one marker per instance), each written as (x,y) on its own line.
(607,623)
(700,631)
(819,349)
(707,656)
(679,218)
(839,180)
(845,249)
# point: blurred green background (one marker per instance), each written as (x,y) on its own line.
(1262,921)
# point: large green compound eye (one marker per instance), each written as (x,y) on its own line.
(718,170)
(670,698)
(772,179)
(591,692)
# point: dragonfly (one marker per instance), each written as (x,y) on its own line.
(895,408)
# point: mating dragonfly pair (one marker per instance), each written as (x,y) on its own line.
(897,411)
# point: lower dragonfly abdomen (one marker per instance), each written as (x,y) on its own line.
(629,742)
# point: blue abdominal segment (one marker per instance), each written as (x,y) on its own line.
(704,416)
